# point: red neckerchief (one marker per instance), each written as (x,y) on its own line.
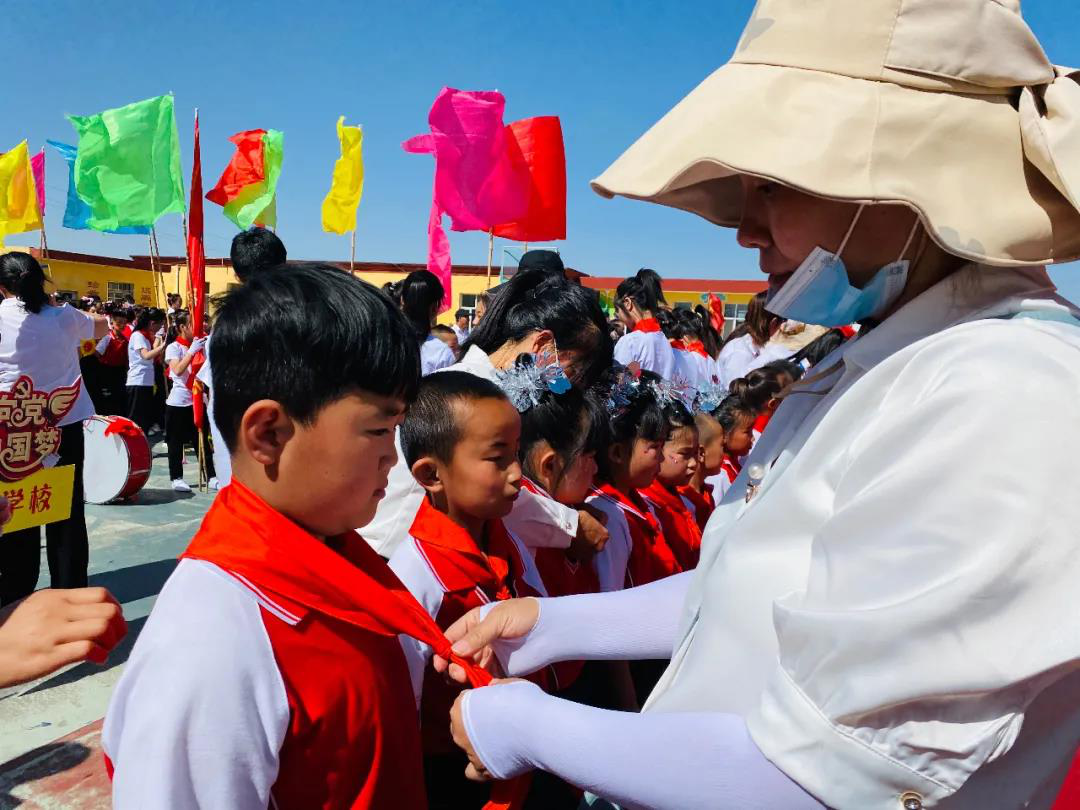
(197,363)
(462,564)
(246,537)
(647,325)
(678,522)
(651,558)
(697,347)
(762,421)
(702,501)
(730,467)
(677,344)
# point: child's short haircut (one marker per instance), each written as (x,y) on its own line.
(678,416)
(441,329)
(432,426)
(707,426)
(305,336)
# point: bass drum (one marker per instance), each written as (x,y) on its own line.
(117,459)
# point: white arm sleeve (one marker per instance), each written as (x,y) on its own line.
(657,760)
(542,522)
(638,623)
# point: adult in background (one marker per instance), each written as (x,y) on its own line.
(41,341)
(748,346)
(637,300)
(884,614)
(252,251)
(145,347)
(421,295)
(461,325)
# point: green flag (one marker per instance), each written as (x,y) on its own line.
(128,164)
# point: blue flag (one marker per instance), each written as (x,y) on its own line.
(77,213)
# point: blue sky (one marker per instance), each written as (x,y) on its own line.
(609,69)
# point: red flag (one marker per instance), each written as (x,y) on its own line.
(245,167)
(538,143)
(716,314)
(196,257)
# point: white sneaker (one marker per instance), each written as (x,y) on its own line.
(212,483)
(180,485)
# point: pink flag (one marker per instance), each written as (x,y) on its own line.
(37,168)
(477,182)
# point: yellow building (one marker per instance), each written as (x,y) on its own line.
(75,275)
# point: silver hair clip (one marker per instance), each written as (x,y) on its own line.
(525,382)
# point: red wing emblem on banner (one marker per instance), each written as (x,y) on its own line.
(29,426)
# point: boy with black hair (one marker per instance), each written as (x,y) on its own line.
(270,672)
(254,250)
(460,440)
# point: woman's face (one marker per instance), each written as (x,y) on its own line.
(625,311)
(785,225)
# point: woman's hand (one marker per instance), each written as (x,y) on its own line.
(472,636)
(53,628)
(475,770)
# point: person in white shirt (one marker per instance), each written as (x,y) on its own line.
(461,326)
(184,358)
(41,341)
(637,300)
(421,296)
(753,347)
(884,613)
(534,311)
(144,347)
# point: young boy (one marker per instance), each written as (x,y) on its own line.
(269,673)
(735,418)
(677,516)
(460,440)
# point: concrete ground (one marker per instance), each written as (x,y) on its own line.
(49,729)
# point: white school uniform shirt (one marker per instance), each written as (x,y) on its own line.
(44,346)
(140,372)
(693,369)
(434,355)
(650,350)
(462,334)
(222,459)
(895,608)
(417,573)
(611,561)
(180,394)
(540,522)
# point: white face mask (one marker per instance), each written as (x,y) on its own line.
(820,291)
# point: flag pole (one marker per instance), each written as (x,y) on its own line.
(491,255)
(352,252)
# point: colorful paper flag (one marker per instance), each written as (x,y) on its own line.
(127,168)
(77,212)
(476,183)
(37,168)
(247,186)
(347,184)
(19,211)
(538,144)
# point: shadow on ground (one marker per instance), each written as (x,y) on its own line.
(49,760)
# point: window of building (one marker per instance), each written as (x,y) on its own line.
(67,295)
(118,290)
(734,315)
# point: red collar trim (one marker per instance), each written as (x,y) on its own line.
(659,494)
(647,325)
(677,344)
(633,503)
(697,347)
(459,562)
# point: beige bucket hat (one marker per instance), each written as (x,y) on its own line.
(948,106)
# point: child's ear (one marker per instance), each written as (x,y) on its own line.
(616,452)
(542,339)
(426,472)
(264,430)
(548,464)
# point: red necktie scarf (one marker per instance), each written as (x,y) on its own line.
(651,558)
(647,325)
(242,534)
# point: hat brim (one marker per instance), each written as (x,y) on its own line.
(955,159)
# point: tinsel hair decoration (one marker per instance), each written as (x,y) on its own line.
(525,382)
(710,395)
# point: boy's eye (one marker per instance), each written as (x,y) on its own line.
(379,432)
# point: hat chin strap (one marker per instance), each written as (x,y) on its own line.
(1050,130)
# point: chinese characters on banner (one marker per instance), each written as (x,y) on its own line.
(44,497)
(29,444)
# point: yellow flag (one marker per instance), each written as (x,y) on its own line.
(18,195)
(339,207)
